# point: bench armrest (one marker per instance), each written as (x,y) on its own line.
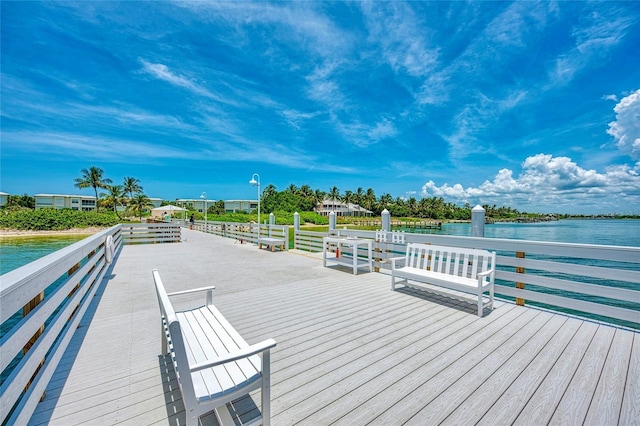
(394,259)
(482,276)
(486,273)
(209,290)
(234,356)
(193,290)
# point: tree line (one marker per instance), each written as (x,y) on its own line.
(305,198)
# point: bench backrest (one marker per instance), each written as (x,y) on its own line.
(463,262)
(170,321)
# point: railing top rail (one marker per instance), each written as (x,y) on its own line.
(577,250)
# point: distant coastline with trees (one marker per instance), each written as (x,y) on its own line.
(128,199)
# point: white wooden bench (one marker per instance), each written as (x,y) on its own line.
(429,267)
(271,242)
(213,363)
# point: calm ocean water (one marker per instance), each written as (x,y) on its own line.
(603,231)
(18,251)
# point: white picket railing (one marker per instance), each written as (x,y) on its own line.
(596,280)
(150,233)
(244,232)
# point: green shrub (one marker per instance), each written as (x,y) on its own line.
(50,219)
(281,217)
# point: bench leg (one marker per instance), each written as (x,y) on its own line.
(491,297)
(266,388)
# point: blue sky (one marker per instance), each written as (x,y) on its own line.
(533,105)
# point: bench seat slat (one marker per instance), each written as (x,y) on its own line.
(233,334)
(243,370)
(211,337)
(455,282)
(211,381)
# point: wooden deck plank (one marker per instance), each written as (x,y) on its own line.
(543,403)
(508,406)
(630,411)
(304,383)
(486,396)
(394,377)
(574,404)
(607,399)
(531,336)
(432,378)
(350,351)
(372,346)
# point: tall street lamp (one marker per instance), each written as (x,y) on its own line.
(255,181)
(203,196)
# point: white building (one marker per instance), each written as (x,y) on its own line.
(230,206)
(62,201)
(3,199)
(246,206)
(341,209)
(75,202)
(198,204)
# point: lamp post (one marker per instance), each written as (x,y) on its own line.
(203,196)
(255,181)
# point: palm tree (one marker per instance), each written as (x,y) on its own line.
(306,191)
(114,197)
(131,186)
(385,200)
(348,198)
(292,189)
(318,198)
(139,203)
(334,194)
(92,178)
(359,196)
(412,204)
(369,199)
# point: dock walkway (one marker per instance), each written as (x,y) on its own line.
(350,351)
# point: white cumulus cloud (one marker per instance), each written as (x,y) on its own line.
(626,128)
(553,183)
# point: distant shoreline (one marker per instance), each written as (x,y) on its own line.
(10,233)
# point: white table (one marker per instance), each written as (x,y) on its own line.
(353,243)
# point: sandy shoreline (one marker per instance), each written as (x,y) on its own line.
(7,233)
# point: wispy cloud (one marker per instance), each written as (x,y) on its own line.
(91,147)
(402,38)
(597,32)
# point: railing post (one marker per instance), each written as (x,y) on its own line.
(520,270)
(296,229)
(272,221)
(386,220)
(380,238)
(332,221)
(477,221)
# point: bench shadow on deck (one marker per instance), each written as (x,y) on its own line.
(350,351)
